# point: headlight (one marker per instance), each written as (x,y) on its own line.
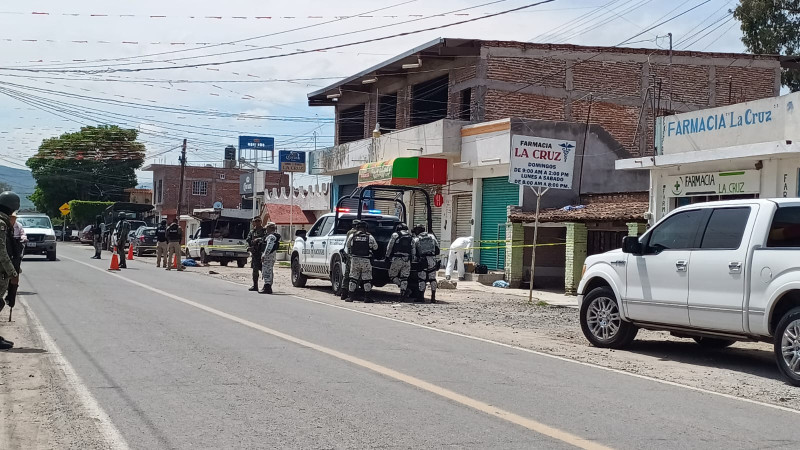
(49,237)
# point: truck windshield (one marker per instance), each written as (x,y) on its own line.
(35,222)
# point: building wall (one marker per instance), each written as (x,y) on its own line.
(219,190)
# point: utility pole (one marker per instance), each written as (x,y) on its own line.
(669,101)
(183,172)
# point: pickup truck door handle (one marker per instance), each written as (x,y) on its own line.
(681,265)
(735,267)
(323,243)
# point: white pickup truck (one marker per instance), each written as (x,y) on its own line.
(316,254)
(716,272)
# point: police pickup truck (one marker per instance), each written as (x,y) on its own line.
(316,253)
(715,272)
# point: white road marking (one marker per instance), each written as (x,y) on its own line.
(107,428)
(546,355)
(478,405)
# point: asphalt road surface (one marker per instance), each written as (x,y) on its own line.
(181,360)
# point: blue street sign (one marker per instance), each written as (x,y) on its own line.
(257,148)
(291,161)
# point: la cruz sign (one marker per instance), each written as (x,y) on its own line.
(734,182)
(542,162)
(291,161)
(753,122)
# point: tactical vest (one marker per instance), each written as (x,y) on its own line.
(402,245)
(277,243)
(12,246)
(173,234)
(427,245)
(161,234)
(360,246)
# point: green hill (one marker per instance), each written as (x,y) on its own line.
(21,181)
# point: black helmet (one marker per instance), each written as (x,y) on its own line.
(419,228)
(9,202)
(356,222)
(121,216)
(402,227)
(361,225)
(164,222)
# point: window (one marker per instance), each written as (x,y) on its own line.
(159,191)
(785,228)
(351,124)
(326,227)
(725,228)
(200,188)
(387,112)
(677,232)
(429,101)
(316,230)
(464,106)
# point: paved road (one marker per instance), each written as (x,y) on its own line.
(180,360)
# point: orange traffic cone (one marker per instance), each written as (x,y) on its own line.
(114,261)
(175,262)
(130,252)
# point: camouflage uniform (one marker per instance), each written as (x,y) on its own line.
(360,253)
(7,271)
(255,240)
(427,247)
(123,228)
(401,251)
(346,260)
(268,258)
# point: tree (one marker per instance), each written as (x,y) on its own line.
(772,27)
(84,213)
(93,164)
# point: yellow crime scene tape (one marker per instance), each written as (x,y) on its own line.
(509,246)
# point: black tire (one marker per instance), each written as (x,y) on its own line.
(241,262)
(298,279)
(336,276)
(139,252)
(204,257)
(51,256)
(612,331)
(790,319)
(224,262)
(718,343)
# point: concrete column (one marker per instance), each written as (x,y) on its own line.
(575,256)
(515,239)
(636,228)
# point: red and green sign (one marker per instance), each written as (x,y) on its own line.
(404,171)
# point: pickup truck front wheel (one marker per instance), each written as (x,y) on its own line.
(601,321)
(787,345)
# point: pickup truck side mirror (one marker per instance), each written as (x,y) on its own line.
(300,234)
(631,244)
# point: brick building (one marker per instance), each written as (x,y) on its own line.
(462,100)
(203,186)
(144,196)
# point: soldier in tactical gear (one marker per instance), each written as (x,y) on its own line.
(161,244)
(255,241)
(427,249)
(123,228)
(97,237)
(9,203)
(360,246)
(400,251)
(174,237)
(345,293)
(271,244)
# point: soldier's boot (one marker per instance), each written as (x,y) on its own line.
(368,298)
(345,294)
(267,289)
(254,287)
(433,296)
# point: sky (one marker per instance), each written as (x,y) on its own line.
(64,65)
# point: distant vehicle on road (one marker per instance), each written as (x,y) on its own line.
(715,272)
(138,212)
(41,236)
(221,237)
(144,241)
(87,236)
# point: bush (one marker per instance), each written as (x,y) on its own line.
(83,213)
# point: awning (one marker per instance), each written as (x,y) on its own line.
(283,214)
(409,171)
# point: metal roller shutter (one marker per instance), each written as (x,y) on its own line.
(420,213)
(498,194)
(463,215)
